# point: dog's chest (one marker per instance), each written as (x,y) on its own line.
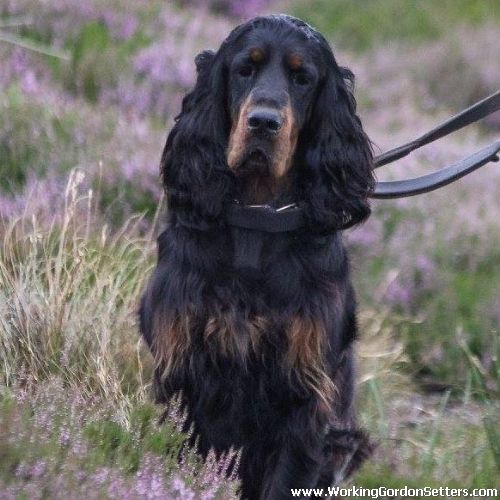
(252,250)
(231,400)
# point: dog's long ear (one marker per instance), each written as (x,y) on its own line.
(193,164)
(337,156)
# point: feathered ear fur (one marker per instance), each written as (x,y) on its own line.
(193,164)
(337,157)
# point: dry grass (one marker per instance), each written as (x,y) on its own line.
(68,299)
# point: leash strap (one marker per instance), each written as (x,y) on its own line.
(435,180)
(470,115)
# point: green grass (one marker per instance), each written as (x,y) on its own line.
(457,321)
(39,137)
(437,440)
(97,61)
(359,24)
(28,134)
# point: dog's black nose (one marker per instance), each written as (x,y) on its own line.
(265,120)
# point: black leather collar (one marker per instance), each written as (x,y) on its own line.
(266,218)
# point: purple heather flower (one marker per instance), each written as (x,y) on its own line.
(121,26)
(180,488)
(64,437)
(399,295)
(248,8)
(38,468)
(18,61)
(29,83)
(21,470)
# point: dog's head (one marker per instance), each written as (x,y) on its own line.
(271,112)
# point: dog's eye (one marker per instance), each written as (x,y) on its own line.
(245,71)
(300,78)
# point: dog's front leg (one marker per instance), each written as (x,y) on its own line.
(298,462)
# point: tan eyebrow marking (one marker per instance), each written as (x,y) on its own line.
(256,54)
(295,62)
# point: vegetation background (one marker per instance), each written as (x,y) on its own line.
(88,91)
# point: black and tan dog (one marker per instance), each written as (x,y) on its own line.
(254,327)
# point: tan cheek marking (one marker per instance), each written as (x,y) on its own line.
(238,136)
(285,145)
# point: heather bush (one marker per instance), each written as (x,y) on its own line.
(34,139)
(236,8)
(114,58)
(43,136)
(451,74)
(60,21)
(359,25)
(57,441)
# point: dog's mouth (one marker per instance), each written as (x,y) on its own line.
(255,162)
